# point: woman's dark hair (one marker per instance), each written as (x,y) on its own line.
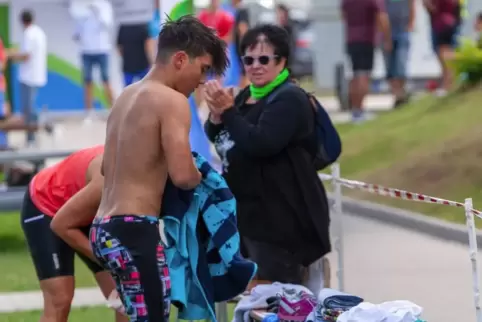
(192,36)
(276,36)
(479,17)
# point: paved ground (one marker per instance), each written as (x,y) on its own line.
(387,263)
(382,263)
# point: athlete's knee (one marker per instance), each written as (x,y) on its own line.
(58,305)
(58,297)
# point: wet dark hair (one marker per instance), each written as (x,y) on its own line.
(192,36)
(275,36)
(26,17)
(479,17)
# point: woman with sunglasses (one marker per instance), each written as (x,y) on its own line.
(265,138)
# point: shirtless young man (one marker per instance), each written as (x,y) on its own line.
(147,141)
(57,212)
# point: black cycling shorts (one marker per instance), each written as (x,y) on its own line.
(52,256)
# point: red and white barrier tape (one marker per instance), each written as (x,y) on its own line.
(396,193)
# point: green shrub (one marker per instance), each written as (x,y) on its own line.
(467,62)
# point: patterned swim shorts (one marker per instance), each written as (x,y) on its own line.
(130,248)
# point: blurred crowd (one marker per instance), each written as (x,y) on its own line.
(98,37)
(369,23)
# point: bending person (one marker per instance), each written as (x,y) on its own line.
(53,257)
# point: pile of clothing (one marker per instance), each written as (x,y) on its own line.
(288,302)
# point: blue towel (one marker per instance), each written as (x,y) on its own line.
(203,245)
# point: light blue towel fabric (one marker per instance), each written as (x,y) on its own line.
(203,245)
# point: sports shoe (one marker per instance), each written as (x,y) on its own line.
(295,306)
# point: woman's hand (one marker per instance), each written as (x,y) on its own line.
(218,99)
(215,118)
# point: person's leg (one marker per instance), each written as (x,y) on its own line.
(390,58)
(87,71)
(362,63)
(104,279)
(3,115)
(104,73)
(274,262)
(53,260)
(318,275)
(143,278)
(445,41)
(107,285)
(401,50)
(28,96)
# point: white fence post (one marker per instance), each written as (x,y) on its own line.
(222,312)
(337,190)
(469,216)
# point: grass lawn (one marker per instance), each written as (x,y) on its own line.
(16,267)
(431,146)
(92,314)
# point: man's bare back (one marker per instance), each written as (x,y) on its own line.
(147,141)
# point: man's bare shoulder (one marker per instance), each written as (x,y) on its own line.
(161,96)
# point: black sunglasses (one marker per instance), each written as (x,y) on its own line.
(263,60)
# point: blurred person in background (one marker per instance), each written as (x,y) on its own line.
(445,17)
(241,26)
(32,58)
(94,37)
(220,20)
(401,14)
(362,19)
(155,26)
(3,89)
(134,45)
(284,20)
(478,29)
(266,148)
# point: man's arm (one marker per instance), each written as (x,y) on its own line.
(77,213)
(383,23)
(429,5)
(411,17)
(149,46)
(23,55)
(175,127)
(119,40)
